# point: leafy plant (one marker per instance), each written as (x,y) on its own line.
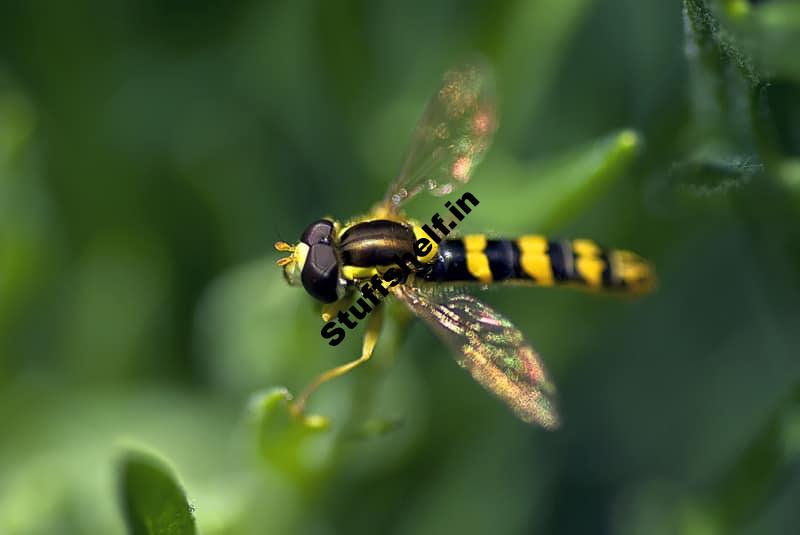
(152,501)
(150,154)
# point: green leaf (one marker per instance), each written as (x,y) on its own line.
(742,107)
(705,179)
(153,502)
(289,443)
(729,111)
(716,46)
(547,194)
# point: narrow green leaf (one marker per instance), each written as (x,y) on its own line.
(715,45)
(153,502)
(546,194)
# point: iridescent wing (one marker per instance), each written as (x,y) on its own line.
(451,138)
(491,349)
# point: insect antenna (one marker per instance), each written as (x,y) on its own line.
(285,248)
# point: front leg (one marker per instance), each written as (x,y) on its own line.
(374,325)
(331,310)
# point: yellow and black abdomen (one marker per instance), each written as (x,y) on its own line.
(536,260)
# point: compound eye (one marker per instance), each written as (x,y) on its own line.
(318,232)
(321,273)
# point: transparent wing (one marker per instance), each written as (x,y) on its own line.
(451,138)
(491,349)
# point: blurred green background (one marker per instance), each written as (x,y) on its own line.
(152,152)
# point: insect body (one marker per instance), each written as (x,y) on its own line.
(386,253)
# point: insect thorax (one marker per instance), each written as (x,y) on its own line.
(369,247)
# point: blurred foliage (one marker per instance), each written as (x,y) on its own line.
(152,152)
(151,499)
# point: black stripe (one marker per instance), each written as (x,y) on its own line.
(503,258)
(608,274)
(562,261)
(450,264)
(518,272)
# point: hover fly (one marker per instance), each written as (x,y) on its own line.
(333,260)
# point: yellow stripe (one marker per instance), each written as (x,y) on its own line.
(358,272)
(636,272)
(586,248)
(420,234)
(477,261)
(534,259)
(588,262)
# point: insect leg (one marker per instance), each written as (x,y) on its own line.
(370,339)
(330,310)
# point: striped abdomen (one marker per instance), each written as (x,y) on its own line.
(535,259)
